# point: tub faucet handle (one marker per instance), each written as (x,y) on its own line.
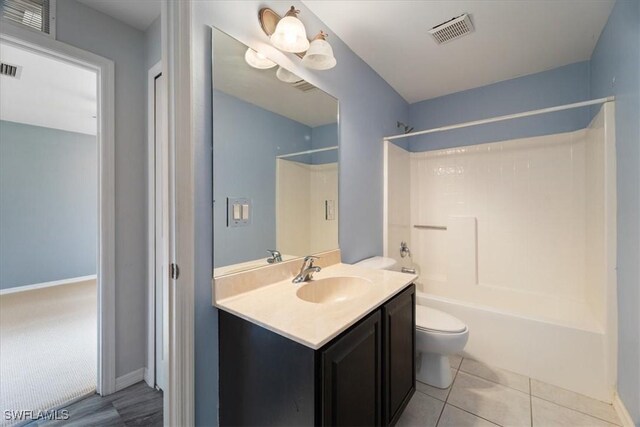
(404,249)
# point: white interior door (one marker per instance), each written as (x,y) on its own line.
(161,184)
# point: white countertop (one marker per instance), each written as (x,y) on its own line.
(277,308)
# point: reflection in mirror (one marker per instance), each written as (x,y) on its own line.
(275,162)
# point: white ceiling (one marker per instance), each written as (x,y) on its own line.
(512,38)
(136,13)
(233,76)
(48,93)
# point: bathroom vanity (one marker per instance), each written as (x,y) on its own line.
(335,349)
(347,360)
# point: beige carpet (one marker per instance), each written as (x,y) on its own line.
(48,346)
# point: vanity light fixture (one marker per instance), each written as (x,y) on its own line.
(286,76)
(287,32)
(320,54)
(258,60)
(290,34)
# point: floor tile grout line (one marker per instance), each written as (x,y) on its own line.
(427,394)
(576,410)
(475,415)
(449,389)
(494,382)
(444,404)
(452,381)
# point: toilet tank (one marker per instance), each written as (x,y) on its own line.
(378,263)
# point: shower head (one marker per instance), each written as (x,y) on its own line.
(406,128)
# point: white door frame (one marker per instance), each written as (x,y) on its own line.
(152,242)
(151,273)
(180,355)
(104,69)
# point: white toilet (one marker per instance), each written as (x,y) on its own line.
(438,335)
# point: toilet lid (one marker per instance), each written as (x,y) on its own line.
(435,320)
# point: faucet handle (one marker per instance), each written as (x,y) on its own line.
(310,259)
(276,256)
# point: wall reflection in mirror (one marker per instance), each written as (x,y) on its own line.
(275,162)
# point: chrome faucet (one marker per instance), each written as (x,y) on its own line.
(276,256)
(307,270)
(404,250)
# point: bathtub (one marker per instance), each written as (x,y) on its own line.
(566,348)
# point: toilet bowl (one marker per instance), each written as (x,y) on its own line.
(438,335)
(378,263)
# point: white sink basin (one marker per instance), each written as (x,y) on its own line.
(333,289)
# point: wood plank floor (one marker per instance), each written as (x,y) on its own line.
(138,405)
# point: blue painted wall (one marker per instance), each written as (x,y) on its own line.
(48,204)
(615,70)
(563,85)
(88,29)
(369,108)
(252,137)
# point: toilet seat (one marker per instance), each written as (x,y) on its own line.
(432,320)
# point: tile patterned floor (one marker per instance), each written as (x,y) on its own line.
(484,396)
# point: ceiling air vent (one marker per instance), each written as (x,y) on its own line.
(303,86)
(10,70)
(452,29)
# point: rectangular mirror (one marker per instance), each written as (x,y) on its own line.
(275,162)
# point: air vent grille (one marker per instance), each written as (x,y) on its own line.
(33,14)
(10,70)
(304,86)
(452,29)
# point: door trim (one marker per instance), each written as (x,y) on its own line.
(150,376)
(105,271)
(180,355)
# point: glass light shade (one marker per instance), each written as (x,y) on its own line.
(290,35)
(286,76)
(258,60)
(319,56)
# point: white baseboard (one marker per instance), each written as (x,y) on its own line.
(129,379)
(46,284)
(622,412)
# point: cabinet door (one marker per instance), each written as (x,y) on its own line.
(399,376)
(352,376)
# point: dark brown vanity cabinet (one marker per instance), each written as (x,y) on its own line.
(398,370)
(351,380)
(363,377)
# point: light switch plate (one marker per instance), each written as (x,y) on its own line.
(238,211)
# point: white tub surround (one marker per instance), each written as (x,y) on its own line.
(517,239)
(301,192)
(267,297)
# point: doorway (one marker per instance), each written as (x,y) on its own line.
(57,259)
